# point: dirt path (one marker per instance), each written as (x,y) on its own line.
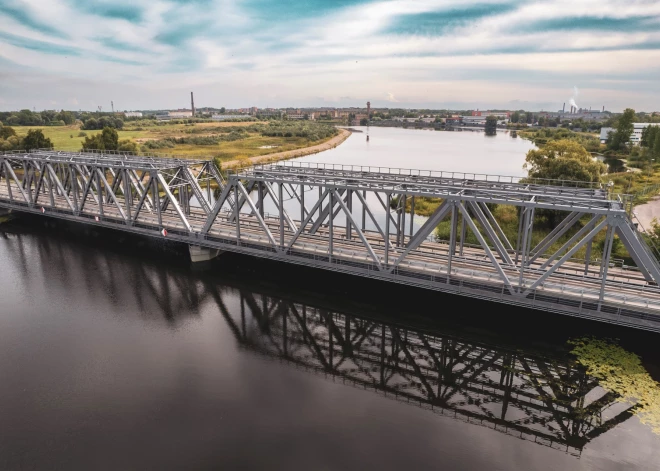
(646,212)
(290,154)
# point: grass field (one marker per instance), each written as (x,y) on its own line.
(252,145)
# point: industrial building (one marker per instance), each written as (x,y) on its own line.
(635,137)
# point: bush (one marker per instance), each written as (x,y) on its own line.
(82,134)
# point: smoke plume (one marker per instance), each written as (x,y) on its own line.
(571,100)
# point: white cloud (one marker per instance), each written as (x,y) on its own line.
(238,59)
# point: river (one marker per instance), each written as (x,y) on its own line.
(116,353)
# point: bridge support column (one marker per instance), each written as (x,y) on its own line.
(202,254)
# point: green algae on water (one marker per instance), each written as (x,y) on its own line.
(622,373)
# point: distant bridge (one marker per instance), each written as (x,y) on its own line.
(353,219)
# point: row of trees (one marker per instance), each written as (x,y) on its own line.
(103,122)
(34,139)
(44,118)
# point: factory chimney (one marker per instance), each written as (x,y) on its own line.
(192,104)
(369,111)
(563,108)
(603,108)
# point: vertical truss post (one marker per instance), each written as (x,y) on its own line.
(74,189)
(280,187)
(403,221)
(49,179)
(521,223)
(330,223)
(260,196)
(302,202)
(349,205)
(127,195)
(525,242)
(463,232)
(236,214)
(11,196)
(387,229)
(320,206)
(156,197)
(364,209)
(452,237)
(607,252)
(412,214)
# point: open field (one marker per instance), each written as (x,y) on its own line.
(246,141)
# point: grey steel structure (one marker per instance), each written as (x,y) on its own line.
(361,220)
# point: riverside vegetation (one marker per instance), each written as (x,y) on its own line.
(221,141)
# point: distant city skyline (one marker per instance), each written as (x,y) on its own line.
(436,54)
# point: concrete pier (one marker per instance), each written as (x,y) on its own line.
(202,254)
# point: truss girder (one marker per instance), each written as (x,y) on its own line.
(150,195)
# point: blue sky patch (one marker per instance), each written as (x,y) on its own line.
(39,46)
(593,23)
(441,22)
(22,16)
(113,10)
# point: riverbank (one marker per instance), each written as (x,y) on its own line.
(292,154)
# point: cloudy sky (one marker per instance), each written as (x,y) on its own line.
(149,54)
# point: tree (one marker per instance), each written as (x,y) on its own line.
(624,129)
(491,125)
(67,116)
(108,139)
(656,145)
(515,117)
(35,139)
(6,132)
(128,145)
(563,159)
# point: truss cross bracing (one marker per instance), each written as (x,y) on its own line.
(362,220)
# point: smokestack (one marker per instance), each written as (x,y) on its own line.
(563,108)
(192,103)
(368,110)
(603,108)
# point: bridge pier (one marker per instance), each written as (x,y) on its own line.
(202,254)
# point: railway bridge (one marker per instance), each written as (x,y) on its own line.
(363,221)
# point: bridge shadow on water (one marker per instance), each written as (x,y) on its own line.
(491,365)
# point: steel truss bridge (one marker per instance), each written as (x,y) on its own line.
(542,397)
(361,220)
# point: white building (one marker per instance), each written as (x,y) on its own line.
(132,114)
(180,114)
(481,120)
(225,117)
(635,137)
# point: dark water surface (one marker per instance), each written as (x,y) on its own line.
(116,354)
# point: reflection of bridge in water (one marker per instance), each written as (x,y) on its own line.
(544,398)
(354,220)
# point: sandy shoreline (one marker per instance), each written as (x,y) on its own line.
(334,142)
